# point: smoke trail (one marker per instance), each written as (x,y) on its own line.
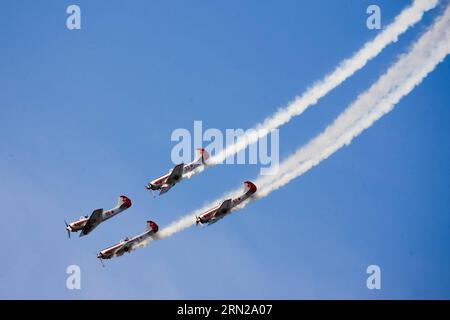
(400,79)
(407,18)
(380,99)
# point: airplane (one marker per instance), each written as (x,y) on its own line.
(127,245)
(86,224)
(175,175)
(215,214)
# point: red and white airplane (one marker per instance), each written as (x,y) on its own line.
(86,224)
(215,214)
(175,175)
(127,245)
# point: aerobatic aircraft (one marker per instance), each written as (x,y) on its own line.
(215,214)
(175,175)
(86,224)
(127,245)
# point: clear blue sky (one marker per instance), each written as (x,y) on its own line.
(87,115)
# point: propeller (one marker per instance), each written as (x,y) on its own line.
(101,260)
(67,228)
(149,187)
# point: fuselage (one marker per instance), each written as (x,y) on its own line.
(158,183)
(77,225)
(116,210)
(161,181)
(126,245)
(217,213)
(122,204)
(166,180)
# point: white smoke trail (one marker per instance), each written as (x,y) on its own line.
(380,99)
(400,79)
(407,18)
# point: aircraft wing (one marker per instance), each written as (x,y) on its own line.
(174,177)
(125,248)
(128,246)
(94,220)
(166,187)
(223,209)
(176,174)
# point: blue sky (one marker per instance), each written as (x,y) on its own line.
(87,115)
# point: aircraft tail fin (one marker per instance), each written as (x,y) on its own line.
(249,187)
(203,155)
(123,202)
(152,226)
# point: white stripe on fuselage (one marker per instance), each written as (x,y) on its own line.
(186,169)
(112,212)
(120,245)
